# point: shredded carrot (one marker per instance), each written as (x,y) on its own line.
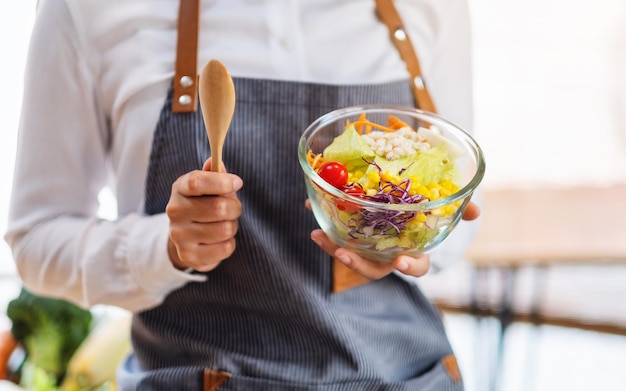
(396,123)
(7,346)
(361,119)
(374,125)
(315,161)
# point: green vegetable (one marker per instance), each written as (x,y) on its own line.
(37,379)
(349,148)
(49,329)
(432,166)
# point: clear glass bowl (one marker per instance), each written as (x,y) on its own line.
(341,216)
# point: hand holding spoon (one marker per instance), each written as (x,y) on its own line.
(217,100)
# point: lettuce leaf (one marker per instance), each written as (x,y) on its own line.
(432,166)
(349,148)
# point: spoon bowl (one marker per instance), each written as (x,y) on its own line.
(217,101)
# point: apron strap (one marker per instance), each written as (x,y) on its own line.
(185,96)
(389,15)
(212,379)
(186,69)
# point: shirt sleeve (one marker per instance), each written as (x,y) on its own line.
(60,247)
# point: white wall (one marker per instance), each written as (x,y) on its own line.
(551,90)
(16,18)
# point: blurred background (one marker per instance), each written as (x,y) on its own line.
(550,90)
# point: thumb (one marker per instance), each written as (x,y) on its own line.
(209,163)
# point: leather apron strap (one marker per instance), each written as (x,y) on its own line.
(389,15)
(185,96)
(212,379)
(186,69)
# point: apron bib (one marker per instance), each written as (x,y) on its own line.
(267,318)
(267,314)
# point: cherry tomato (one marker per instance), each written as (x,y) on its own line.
(347,206)
(354,190)
(334,173)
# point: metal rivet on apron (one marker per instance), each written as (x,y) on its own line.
(184,100)
(419,82)
(399,34)
(186,81)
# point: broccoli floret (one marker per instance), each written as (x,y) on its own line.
(50,330)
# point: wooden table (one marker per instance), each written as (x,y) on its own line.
(542,227)
(551,225)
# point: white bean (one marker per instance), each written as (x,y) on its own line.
(400,143)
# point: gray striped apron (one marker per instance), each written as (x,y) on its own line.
(267,315)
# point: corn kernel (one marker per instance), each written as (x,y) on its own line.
(373,176)
(414,180)
(444,192)
(438,211)
(434,194)
(434,185)
(371,192)
(423,190)
(355,178)
(449,210)
(446,184)
(421,217)
(390,177)
(412,224)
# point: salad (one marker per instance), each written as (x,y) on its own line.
(392,164)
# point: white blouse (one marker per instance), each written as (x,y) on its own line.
(97,75)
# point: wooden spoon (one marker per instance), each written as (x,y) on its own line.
(217,100)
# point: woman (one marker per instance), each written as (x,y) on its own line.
(227,287)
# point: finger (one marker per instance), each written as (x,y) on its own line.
(471,212)
(307,204)
(207,167)
(373,270)
(197,183)
(213,209)
(203,209)
(209,163)
(211,233)
(205,257)
(322,240)
(411,266)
